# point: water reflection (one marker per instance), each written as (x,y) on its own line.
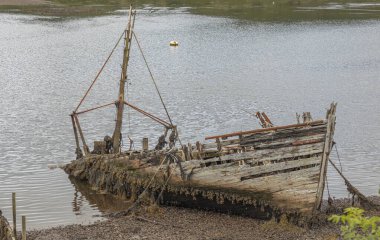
(105,203)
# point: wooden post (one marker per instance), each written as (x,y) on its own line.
(85,147)
(326,154)
(186,152)
(14,214)
(190,148)
(23,226)
(200,150)
(145,144)
(75,134)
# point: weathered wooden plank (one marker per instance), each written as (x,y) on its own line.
(233,174)
(267,129)
(279,143)
(277,184)
(282,166)
(223,143)
(302,176)
(286,133)
(261,155)
(272,136)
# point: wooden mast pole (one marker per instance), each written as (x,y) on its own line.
(120,103)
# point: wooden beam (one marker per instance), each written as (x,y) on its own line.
(326,153)
(266,129)
(149,115)
(91,109)
(75,133)
(85,147)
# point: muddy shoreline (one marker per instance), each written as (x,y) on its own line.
(180,223)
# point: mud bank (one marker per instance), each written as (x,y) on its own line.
(190,224)
(5,229)
(178,223)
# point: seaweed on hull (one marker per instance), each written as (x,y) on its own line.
(263,173)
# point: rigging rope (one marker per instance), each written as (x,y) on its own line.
(100,71)
(337,153)
(131,145)
(154,82)
(329,199)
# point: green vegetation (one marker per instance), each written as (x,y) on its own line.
(356,226)
(254,10)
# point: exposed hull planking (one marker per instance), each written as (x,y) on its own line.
(262,173)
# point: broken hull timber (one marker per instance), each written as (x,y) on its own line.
(262,173)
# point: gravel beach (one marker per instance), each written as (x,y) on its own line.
(178,223)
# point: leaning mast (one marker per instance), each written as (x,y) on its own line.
(116,137)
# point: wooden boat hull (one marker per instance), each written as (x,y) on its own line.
(262,173)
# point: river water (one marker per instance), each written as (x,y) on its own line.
(223,67)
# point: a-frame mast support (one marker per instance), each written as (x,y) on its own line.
(121,97)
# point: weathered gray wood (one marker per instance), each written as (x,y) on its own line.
(23,227)
(307,117)
(230,169)
(258,170)
(85,147)
(272,136)
(263,155)
(186,152)
(145,144)
(14,213)
(190,148)
(326,153)
(267,130)
(280,182)
(287,142)
(75,134)
(245,172)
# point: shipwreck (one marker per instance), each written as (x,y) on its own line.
(263,173)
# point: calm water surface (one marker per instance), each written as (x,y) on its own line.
(222,68)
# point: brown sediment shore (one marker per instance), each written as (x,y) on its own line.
(179,223)
(176,223)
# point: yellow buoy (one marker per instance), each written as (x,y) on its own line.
(173,43)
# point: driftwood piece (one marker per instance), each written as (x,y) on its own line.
(264,120)
(306,116)
(85,147)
